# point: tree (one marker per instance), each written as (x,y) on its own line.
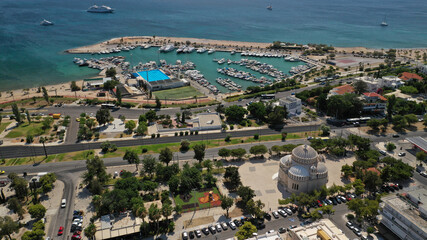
(96,173)
(207,164)
(246,231)
(358,186)
(391,102)
(235,113)
(37,211)
(158,103)
(347,170)
(90,231)
(74,86)
(399,122)
(233,177)
(421,156)
(218,164)
(277,115)
(371,180)
(258,150)
(47,182)
(107,146)
(370,230)
(141,212)
(111,72)
(16,113)
(390,146)
(246,193)
(8,227)
(20,185)
(141,129)
(119,96)
(258,110)
(154,213)
(238,152)
(45,95)
(224,152)
(226,203)
(255,208)
(174,183)
(103,116)
(411,118)
(325,130)
(185,145)
(364,209)
(167,210)
(149,163)
(130,125)
(374,124)
(132,158)
(166,156)
(28,116)
(151,116)
(16,206)
(360,87)
(199,152)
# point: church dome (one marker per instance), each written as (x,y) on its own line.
(286,160)
(299,171)
(304,154)
(321,168)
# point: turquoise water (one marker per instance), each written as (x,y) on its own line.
(32,55)
(153,75)
(205,64)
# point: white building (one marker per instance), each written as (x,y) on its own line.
(202,122)
(373,102)
(405,214)
(374,84)
(302,171)
(292,104)
(323,229)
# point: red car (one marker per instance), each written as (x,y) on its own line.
(319,203)
(76,237)
(61,231)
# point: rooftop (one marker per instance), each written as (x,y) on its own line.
(153,75)
(419,142)
(374,94)
(343,89)
(408,76)
(323,228)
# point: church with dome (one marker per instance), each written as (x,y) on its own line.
(303,170)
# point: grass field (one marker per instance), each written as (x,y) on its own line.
(3,126)
(178,93)
(34,129)
(195,195)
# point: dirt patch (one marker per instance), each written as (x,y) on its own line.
(198,221)
(235,213)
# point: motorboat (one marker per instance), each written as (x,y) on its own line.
(100,9)
(46,23)
(201,50)
(269,7)
(167,48)
(211,51)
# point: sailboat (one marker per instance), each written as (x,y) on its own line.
(269,7)
(384,22)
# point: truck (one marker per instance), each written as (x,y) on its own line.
(56,115)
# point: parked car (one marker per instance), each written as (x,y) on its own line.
(237,222)
(401,154)
(275,214)
(395,135)
(224,226)
(382,152)
(267,216)
(63,203)
(282,230)
(205,231)
(184,236)
(357,231)
(212,229)
(232,225)
(191,234)
(288,211)
(292,227)
(198,233)
(283,213)
(218,227)
(319,203)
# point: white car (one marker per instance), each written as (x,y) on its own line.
(63,203)
(401,154)
(218,227)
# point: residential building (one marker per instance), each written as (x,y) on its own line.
(202,122)
(266,236)
(323,229)
(373,102)
(341,90)
(407,76)
(303,170)
(406,214)
(292,104)
(373,84)
(95,83)
(423,68)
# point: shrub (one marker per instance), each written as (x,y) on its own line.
(228,138)
(256,136)
(30,139)
(144,150)
(153,135)
(97,135)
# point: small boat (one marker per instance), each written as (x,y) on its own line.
(233,52)
(201,50)
(269,7)
(221,61)
(211,51)
(46,23)
(384,22)
(100,9)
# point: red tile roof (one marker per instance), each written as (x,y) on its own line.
(374,170)
(408,76)
(374,94)
(343,89)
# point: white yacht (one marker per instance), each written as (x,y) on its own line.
(201,50)
(211,51)
(46,23)
(167,48)
(190,49)
(384,22)
(100,9)
(233,52)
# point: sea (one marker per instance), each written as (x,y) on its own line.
(32,55)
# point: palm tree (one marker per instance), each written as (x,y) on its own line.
(141,212)
(167,210)
(90,231)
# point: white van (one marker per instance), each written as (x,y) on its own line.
(63,203)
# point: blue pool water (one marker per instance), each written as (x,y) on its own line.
(153,75)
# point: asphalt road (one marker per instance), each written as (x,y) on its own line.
(31,151)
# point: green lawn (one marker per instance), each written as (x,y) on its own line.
(34,129)
(178,93)
(3,126)
(195,195)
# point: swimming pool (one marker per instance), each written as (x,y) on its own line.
(153,75)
